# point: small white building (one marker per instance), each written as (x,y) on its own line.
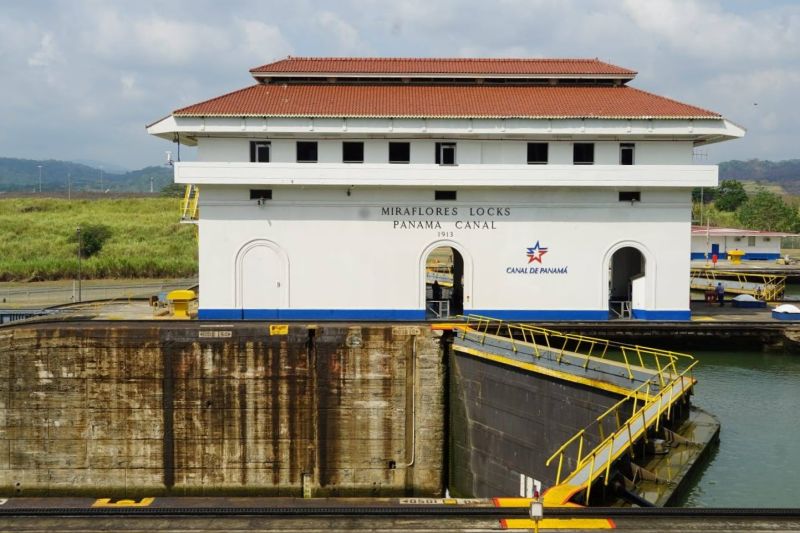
(756,245)
(562,192)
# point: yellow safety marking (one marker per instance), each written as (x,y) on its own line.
(576,524)
(279,329)
(446,326)
(602,385)
(560,495)
(703,319)
(109,502)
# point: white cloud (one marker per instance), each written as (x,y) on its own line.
(47,54)
(262,42)
(346,39)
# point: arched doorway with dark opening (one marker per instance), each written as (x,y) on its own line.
(626,282)
(444,283)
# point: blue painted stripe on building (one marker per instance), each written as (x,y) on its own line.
(650,314)
(521,315)
(761,256)
(219,314)
(541,314)
(311,314)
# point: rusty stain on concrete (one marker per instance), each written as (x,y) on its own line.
(143,408)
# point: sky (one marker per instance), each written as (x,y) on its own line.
(80,79)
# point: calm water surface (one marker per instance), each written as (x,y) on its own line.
(756,397)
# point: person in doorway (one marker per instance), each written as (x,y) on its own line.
(720,294)
(436,291)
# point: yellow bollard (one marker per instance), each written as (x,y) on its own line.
(180,302)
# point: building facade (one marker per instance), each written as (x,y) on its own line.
(756,245)
(560,192)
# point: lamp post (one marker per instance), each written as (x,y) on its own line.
(40,177)
(79,262)
(69,186)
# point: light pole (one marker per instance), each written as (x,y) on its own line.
(79,262)
(40,177)
(69,186)
(101,179)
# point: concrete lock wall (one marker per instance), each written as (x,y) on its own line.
(506,422)
(143,408)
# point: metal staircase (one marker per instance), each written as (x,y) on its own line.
(189,204)
(767,287)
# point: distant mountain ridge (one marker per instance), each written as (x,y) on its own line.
(22,175)
(784,173)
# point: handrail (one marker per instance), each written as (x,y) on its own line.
(624,431)
(661,362)
(768,287)
(189,205)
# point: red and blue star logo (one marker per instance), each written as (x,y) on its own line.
(536,252)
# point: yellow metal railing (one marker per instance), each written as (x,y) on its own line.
(664,363)
(663,400)
(189,205)
(767,287)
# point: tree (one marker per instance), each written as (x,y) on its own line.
(92,238)
(767,211)
(730,195)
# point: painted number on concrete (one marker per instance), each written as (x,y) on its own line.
(279,329)
(112,502)
(215,334)
(440,501)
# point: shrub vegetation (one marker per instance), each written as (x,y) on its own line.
(127,238)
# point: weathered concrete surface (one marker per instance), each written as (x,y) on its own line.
(506,422)
(143,408)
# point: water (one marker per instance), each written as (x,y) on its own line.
(756,397)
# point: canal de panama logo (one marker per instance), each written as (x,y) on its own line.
(536,252)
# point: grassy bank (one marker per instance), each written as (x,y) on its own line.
(146,240)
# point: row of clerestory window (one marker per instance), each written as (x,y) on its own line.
(445,152)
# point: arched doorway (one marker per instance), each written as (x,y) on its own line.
(626,282)
(260,280)
(444,283)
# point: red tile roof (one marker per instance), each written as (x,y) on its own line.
(455,66)
(478,101)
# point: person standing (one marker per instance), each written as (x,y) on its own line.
(720,294)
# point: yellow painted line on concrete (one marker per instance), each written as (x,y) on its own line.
(703,319)
(447,326)
(575,524)
(109,502)
(550,372)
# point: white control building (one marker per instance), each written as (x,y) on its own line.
(559,191)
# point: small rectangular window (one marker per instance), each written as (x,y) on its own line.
(626,151)
(399,152)
(445,153)
(445,195)
(766,239)
(583,154)
(261,194)
(352,152)
(751,241)
(259,151)
(630,196)
(306,151)
(537,153)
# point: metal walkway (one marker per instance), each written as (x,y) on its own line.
(768,287)
(649,380)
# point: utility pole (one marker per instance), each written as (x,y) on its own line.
(151,184)
(101,179)
(69,185)
(79,263)
(40,177)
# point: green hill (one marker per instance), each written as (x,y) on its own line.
(785,174)
(22,175)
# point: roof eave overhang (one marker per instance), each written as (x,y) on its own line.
(262,75)
(729,132)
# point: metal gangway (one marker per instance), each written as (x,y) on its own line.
(650,382)
(767,287)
